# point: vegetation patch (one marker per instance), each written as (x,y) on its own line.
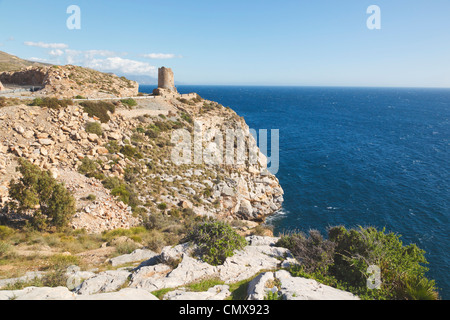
(51,103)
(129,102)
(98,109)
(343,261)
(216,241)
(38,193)
(94,127)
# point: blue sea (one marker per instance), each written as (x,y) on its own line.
(357,156)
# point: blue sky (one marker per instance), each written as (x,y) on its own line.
(245,42)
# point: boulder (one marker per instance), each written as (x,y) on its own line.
(150,278)
(41,293)
(219,292)
(250,261)
(173,253)
(135,256)
(29,276)
(124,294)
(245,209)
(296,288)
(256,289)
(189,270)
(106,281)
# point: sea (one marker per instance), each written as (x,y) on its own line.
(357,157)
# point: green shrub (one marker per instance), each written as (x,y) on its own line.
(162,206)
(128,150)
(111,182)
(122,192)
(98,109)
(94,127)
(91,197)
(39,193)
(79,97)
(313,251)
(113,147)
(152,133)
(187,118)
(343,260)
(356,250)
(5,248)
(90,169)
(51,103)
(129,102)
(5,232)
(216,241)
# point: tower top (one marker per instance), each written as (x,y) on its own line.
(166,79)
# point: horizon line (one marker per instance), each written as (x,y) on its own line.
(305,86)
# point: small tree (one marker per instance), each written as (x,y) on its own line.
(38,193)
(216,241)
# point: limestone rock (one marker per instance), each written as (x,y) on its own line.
(124,294)
(257,287)
(104,282)
(29,276)
(219,292)
(33,293)
(150,278)
(297,288)
(135,256)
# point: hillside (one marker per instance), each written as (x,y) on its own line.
(9,62)
(133,148)
(70,81)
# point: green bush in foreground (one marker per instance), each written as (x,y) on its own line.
(98,109)
(50,203)
(343,260)
(216,241)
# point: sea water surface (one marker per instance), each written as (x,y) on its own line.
(357,156)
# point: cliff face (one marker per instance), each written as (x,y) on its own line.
(136,146)
(70,81)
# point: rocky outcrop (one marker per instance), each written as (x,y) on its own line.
(57,140)
(287,287)
(70,81)
(1,86)
(161,272)
(137,255)
(62,293)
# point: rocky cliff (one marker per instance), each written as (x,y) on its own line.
(135,146)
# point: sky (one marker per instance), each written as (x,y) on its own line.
(240,42)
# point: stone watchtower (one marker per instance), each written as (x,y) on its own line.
(166,82)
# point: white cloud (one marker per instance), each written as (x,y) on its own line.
(120,65)
(102,60)
(160,55)
(56,52)
(46,45)
(41,60)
